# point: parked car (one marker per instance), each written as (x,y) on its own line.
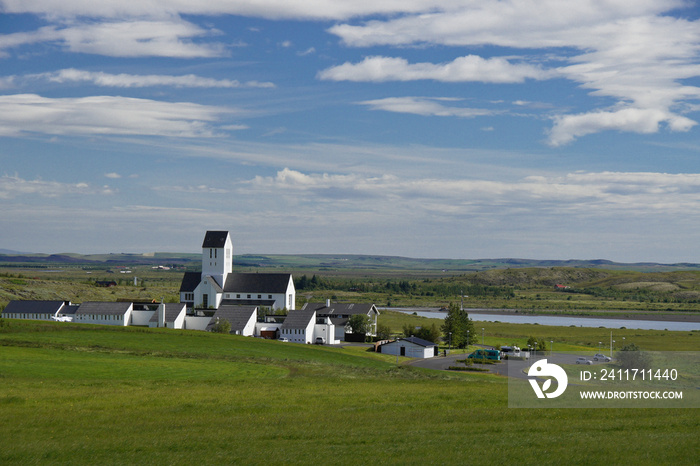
(602,357)
(320,341)
(283,339)
(583,361)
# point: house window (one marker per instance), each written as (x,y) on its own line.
(210,254)
(248,296)
(238,296)
(259,296)
(269,296)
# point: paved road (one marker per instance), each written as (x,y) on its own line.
(518,368)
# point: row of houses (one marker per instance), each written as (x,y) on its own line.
(315,320)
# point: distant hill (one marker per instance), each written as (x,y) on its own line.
(340,262)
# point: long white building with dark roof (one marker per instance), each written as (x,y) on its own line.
(218,284)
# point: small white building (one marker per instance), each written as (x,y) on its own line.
(36,310)
(411,347)
(104,313)
(241,318)
(170,315)
(298,327)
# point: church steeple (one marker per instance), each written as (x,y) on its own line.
(217,256)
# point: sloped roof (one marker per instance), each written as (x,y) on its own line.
(103,308)
(298,318)
(237,316)
(214,283)
(215,239)
(340,309)
(414,340)
(190,281)
(172,311)
(257,282)
(33,307)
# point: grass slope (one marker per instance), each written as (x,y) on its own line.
(95,395)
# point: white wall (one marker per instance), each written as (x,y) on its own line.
(196,322)
(139,317)
(328,332)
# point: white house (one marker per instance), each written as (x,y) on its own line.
(35,310)
(105,313)
(339,314)
(411,347)
(299,325)
(241,318)
(217,284)
(170,315)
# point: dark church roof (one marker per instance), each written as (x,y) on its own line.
(257,282)
(215,239)
(190,281)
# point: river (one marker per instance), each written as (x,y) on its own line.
(559,321)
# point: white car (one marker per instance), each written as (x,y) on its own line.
(583,361)
(601,357)
(283,339)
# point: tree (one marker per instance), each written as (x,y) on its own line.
(222,326)
(631,357)
(383,332)
(360,323)
(458,326)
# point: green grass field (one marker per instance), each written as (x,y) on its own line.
(80,394)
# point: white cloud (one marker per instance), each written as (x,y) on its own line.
(628,51)
(580,194)
(113,175)
(13,186)
(134,80)
(22,113)
(273,9)
(135,38)
(462,69)
(424,106)
(638,120)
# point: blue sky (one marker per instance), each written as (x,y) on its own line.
(423,128)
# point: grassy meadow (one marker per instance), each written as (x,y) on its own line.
(81,394)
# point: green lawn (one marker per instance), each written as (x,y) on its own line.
(76,394)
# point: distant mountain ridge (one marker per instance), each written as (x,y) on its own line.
(340,261)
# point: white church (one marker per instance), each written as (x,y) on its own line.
(219,285)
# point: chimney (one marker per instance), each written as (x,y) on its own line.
(161,314)
(328,303)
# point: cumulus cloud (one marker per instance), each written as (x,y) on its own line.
(21,113)
(13,186)
(425,106)
(124,80)
(462,69)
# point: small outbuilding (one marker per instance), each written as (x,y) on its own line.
(411,347)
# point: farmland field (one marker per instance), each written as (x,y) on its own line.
(81,394)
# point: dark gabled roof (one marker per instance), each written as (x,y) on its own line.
(33,307)
(190,281)
(69,310)
(257,282)
(237,316)
(298,318)
(418,341)
(215,239)
(172,311)
(341,309)
(103,308)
